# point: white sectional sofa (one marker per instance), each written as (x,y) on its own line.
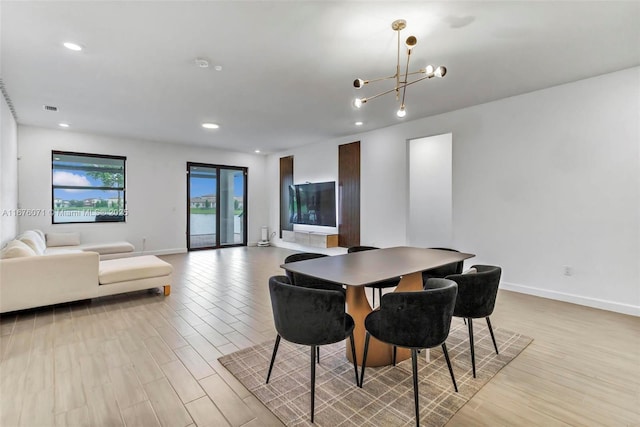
(32,275)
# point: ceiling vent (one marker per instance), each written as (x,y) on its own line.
(50,108)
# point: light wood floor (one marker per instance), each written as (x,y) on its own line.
(143,359)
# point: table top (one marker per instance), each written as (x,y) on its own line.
(365,267)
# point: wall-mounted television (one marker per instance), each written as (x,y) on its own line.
(313,203)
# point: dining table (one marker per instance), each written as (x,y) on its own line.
(359,269)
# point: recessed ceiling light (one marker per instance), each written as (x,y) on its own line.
(358,123)
(63,125)
(257,151)
(218,68)
(72,46)
(210,126)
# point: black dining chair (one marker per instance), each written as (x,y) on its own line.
(312,317)
(414,320)
(444,270)
(477,294)
(303,280)
(392,283)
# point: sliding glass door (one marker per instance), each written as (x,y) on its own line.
(217,196)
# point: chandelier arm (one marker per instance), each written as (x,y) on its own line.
(380,78)
(369,98)
(406,74)
(415,81)
(377,79)
(420,71)
(398,66)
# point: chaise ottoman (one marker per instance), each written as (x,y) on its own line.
(131,274)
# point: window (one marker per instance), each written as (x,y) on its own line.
(87,187)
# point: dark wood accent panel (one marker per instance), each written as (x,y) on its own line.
(286,179)
(349,194)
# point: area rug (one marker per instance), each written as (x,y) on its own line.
(386,398)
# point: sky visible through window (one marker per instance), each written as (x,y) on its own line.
(79,178)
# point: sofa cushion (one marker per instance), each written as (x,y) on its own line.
(63,250)
(34,240)
(16,249)
(135,268)
(63,239)
(108,248)
(41,234)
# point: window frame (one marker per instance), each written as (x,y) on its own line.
(123,189)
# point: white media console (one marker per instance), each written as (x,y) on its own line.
(311,238)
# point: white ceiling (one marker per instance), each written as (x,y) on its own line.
(288,67)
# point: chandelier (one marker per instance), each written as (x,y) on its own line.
(401,78)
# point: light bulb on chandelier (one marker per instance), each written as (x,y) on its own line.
(402,79)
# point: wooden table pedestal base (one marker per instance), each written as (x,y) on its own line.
(380,354)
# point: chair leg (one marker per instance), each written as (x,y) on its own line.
(364,357)
(492,337)
(395,352)
(313,380)
(318,354)
(353,354)
(380,294)
(446,357)
(273,356)
(473,355)
(414,364)
(373,291)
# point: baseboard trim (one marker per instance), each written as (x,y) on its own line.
(617,307)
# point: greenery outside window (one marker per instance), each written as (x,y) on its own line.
(87,188)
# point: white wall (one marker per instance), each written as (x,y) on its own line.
(540,181)
(156,186)
(430,222)
(8,174)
